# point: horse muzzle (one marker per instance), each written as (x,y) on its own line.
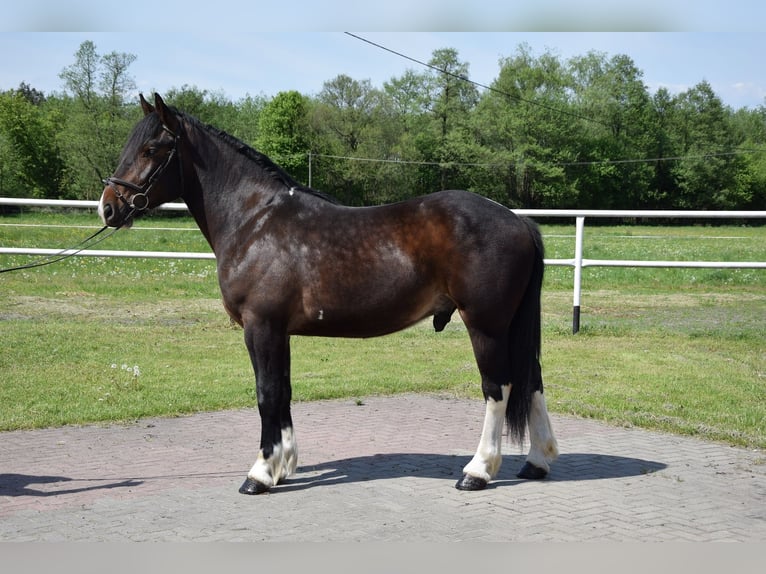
(115,211)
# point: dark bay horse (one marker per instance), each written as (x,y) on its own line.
(292,261)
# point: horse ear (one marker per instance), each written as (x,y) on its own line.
(146,106)
(167,117)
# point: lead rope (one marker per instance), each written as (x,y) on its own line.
(65,253)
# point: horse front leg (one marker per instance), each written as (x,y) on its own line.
(277,458)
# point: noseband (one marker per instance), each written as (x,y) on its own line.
(139,201)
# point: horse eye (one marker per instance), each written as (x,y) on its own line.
(150,151)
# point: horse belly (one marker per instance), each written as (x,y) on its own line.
(365,314)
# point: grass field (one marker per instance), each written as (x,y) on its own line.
(92,339)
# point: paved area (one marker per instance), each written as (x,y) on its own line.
(381,471)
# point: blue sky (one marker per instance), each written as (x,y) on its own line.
(238,63)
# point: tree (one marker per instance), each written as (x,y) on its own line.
(707,175)
(31,161)
(11,166)
(348,107)
(408,100)
(98,115)
(663,150)
(450,98)
(749,128)
(404,117)
(527,125)
(343,121)
(283,133)
(248,112)
(212,108)
(611,95)
(30,94)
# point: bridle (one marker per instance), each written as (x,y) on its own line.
(139,201)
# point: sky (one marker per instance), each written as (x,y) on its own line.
(253,56)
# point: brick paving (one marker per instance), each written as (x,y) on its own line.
(381,471)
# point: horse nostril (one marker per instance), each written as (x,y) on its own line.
(108,212)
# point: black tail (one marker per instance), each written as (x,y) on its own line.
(524,345)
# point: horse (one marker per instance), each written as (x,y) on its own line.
(292,260)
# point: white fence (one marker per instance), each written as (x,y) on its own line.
(577,262)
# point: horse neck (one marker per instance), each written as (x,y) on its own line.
(214,198)
(196,205)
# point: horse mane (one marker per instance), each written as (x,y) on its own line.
(261,159)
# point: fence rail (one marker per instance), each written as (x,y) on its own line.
(577,262)
(73,203)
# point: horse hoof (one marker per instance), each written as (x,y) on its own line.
(532,472)
(469,482)
(251,486)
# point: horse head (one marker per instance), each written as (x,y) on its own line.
(143,178)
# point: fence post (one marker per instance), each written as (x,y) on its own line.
(579,229)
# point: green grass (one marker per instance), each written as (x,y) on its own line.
(88,339)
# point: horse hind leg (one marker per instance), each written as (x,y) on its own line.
(543,448)
(492,359)
(494,365)
(485,464)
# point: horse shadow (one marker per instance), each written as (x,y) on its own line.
(19,485)
(568,467)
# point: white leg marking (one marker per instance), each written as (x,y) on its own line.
(486,462)
(281,464)
(290,452)
(263,470)
(543,448)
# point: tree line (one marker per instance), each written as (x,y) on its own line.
(546,133)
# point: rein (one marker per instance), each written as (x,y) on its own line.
(65,253)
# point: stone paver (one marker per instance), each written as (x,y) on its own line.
(381,471)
